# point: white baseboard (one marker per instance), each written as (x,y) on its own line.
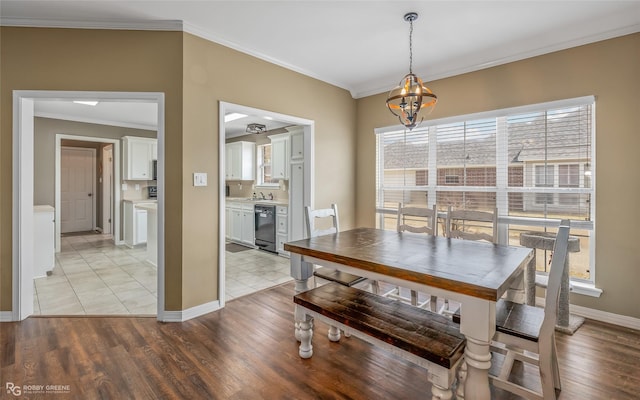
(6,316)
(597,315)
(190,313)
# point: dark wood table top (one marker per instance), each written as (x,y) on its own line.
(478,269)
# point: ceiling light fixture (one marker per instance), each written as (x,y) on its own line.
(233,116)
(86,102)
(256,128)
(411,95)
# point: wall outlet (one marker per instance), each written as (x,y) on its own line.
(199,179)
(125,186)
(137,186)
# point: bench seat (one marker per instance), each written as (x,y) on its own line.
(430,340)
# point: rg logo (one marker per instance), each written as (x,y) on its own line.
(13,389)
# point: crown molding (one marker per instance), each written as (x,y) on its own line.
(449,72)
(140,25)
(356,92)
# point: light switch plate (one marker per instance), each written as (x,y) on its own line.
(199,179)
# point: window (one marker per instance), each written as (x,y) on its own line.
(533,163)
(264,165)
(544,178)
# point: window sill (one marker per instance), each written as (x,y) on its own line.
(586,289)
(268,186)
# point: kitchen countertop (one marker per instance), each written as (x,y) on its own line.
(256,201)
(142,201)
(148,206)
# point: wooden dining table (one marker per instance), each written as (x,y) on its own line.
(474,274)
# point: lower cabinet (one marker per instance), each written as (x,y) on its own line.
(135,225)
(44,240)
(282,229)
(240,223)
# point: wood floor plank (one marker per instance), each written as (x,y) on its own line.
(247,351)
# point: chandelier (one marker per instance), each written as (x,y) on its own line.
(411,95)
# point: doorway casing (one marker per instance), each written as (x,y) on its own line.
(309,173)
(22,207)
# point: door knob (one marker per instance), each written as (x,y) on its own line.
(90,194)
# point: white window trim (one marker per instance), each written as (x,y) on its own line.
(260,184)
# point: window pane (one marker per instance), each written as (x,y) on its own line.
(467,153)
(482,201)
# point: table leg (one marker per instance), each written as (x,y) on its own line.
(478,324)
(301,272)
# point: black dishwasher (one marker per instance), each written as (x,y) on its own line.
(265,222)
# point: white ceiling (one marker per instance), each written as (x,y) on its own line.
(361,46)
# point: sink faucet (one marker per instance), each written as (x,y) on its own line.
(270,196)
(262,194)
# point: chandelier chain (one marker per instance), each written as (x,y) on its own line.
(411,46)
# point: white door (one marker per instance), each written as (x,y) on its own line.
(77,166)
(107,188)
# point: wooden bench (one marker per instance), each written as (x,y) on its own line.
(427,339)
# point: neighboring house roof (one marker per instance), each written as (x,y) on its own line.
(566,139)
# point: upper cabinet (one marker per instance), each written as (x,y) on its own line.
(138,154)
(240,161)
(280,155)
(297,144)
(286,149)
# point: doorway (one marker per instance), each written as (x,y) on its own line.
(300,196)
(23,193)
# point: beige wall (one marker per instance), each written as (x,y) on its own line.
(107,60)
(44,145)
(608,70)
(72,59)
(213,73)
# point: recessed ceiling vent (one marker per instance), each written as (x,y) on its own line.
(256,128)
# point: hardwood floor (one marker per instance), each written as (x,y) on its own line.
(247,351)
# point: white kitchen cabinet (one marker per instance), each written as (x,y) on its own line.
(240,161)
(296,201)
(43,240)
(297,144)
(241,223)
(134,224)
(227,214)
(248,225)
(282,229)
(138,154)
(280,155)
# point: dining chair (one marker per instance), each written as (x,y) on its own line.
(470,225)
(314,224)
(416,220)
(522,328)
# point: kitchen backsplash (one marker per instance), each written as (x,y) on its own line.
(138,192)
(245,189)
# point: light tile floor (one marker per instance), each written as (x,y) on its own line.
(92,276)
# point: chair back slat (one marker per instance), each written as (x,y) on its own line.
(472,225)
(558,264)
(417,219)
(311,217)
